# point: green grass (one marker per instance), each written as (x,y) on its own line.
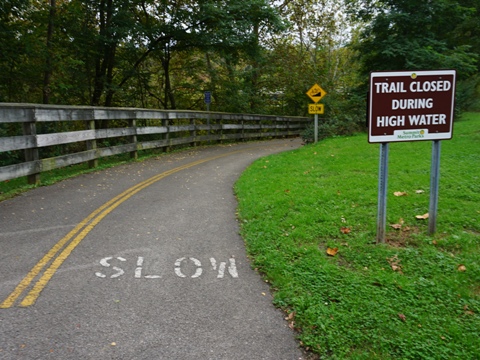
(294,206)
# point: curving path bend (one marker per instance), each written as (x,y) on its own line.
(142,261)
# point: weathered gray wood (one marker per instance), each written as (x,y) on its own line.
(114,114)
(181,140)
(173,129)
(175,125)
(66,160)
(115,150)
(152,130)
(65,138)
(31,154)
(63,114)
(232,126)
(11,114)
(251,127)
(19,170)
(91,144)
(156,144)
(151,114)
(133,138)
(115,132)
(17,143)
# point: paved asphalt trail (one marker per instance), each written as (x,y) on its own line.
(159,273)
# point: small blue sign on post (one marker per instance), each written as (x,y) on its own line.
(208,97)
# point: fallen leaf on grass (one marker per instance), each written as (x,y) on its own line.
(462,268)
(400,193)
(395,264)
(291,320)
(468,311)
(395,267)
(345,230)
(402,317)
(422,217)
(332,251)
(399,225)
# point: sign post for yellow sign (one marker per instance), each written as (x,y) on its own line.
(316,93)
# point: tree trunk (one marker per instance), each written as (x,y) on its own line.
(168,94)
(47,76)
(105,55)
(255,71)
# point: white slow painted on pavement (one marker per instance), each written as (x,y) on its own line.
(218,267)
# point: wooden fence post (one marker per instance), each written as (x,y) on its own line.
(193,133)
(92,144)
(30,128)
(132,123)
(243,129)
(166,123)
(220,122)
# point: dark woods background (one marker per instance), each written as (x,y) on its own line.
(255,56)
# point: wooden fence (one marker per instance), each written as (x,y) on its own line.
(52,136)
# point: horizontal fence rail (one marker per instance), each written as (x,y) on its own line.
(37,138)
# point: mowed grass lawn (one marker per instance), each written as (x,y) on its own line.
(414,297)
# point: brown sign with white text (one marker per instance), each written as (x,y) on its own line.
(411,106)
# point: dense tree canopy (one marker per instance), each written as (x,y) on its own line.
(426,35)
(254,55)
(408,34)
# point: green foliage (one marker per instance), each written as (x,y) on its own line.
(335,126)
(406,299)
(410,35)
(124,52)
(468,94)
(254,56)
(429,35)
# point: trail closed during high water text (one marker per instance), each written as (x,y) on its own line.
(410,106)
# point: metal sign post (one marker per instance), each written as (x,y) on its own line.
(382,193)
(434,181)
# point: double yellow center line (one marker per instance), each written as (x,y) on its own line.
(63,248)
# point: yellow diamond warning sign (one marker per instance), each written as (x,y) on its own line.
(316,93)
